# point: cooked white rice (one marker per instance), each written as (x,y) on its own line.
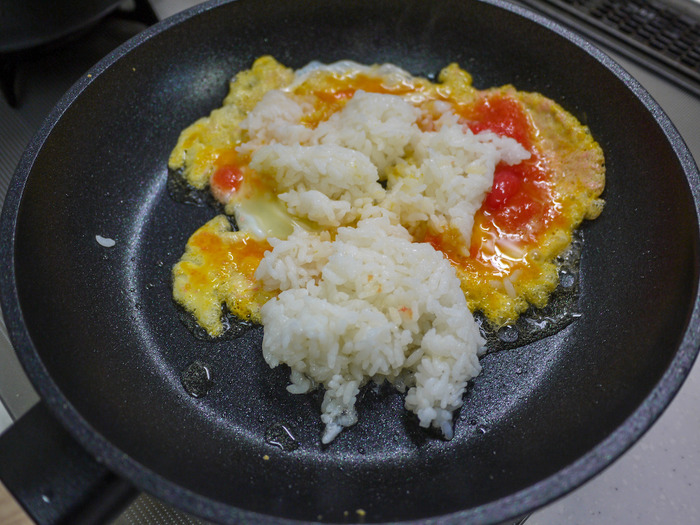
(381,127)
(370,304)
(451,173)
(328,184)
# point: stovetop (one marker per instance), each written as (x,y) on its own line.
(655,482)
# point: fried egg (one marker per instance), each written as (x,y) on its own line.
(523,224)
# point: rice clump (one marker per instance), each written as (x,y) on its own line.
(370,304)
(363,302)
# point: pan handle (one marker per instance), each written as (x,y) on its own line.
(54,478)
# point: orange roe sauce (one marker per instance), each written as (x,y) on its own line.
(335,91)
(222,259)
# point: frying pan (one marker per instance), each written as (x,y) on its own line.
(99,336)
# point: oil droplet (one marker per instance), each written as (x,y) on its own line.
(538,323)
(508,334)
(280,436)
(196,379)
(232,326)
(567,279)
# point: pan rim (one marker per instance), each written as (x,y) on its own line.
(511,506)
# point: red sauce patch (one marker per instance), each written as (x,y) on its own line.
(230,173)
(521,206)
(227,178)
(502,115)
(521,201)
(506,183)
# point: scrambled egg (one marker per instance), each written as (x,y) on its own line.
(523,225)
(217,268)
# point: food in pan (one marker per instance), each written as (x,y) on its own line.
(368,213)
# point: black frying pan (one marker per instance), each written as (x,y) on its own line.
(103,343)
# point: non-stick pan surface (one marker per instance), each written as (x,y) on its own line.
(104,344)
